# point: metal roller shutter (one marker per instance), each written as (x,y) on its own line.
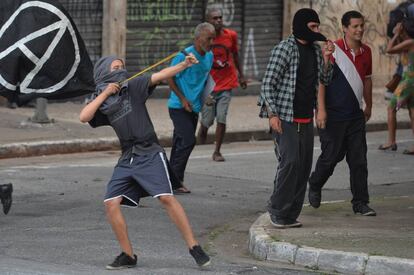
(263,22)
(232,15)
(88,19)
(259,27)
(157,28)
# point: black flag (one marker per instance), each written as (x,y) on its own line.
(41,52)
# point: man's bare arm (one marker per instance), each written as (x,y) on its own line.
(186,104)
(169,72)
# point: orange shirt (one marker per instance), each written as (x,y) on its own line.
(224,71)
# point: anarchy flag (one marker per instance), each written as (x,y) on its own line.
(41,52)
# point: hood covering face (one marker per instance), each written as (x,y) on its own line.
(300,25)
(103,76)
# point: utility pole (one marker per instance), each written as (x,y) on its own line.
(114,28)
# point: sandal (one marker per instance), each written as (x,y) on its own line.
(181,190)
(218,157)
(408,152)
(392,147)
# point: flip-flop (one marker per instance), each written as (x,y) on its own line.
(181,190)
(218,157)
(392,147)
(408,152)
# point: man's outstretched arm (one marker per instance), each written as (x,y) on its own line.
(169,72)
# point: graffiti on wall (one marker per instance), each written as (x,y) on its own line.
(376,17)
(161,10)
(160,42)
(157,28)
(249,60)
(169,30)
(161,27)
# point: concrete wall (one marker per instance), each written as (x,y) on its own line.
(330,13)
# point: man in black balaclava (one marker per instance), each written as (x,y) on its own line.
(296,70)
(301,29)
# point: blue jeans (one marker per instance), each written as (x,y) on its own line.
(184,140)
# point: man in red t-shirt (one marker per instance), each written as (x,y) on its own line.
(227,74)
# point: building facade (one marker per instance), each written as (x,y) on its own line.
(153,29)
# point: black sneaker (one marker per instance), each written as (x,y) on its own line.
(363,209)
(123,261)
(6,196)
(284,223)
(201,258)
(315,197)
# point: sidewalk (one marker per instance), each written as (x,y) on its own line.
(333,239)
(20,138)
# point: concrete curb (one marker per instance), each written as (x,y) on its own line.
(39,148)
(28,149)
(262,246)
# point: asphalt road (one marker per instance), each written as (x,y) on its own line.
(57,223)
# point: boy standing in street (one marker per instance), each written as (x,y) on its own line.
(142,169)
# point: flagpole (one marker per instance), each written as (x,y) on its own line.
(171,56)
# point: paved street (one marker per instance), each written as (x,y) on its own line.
(60,167)
(57,222)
